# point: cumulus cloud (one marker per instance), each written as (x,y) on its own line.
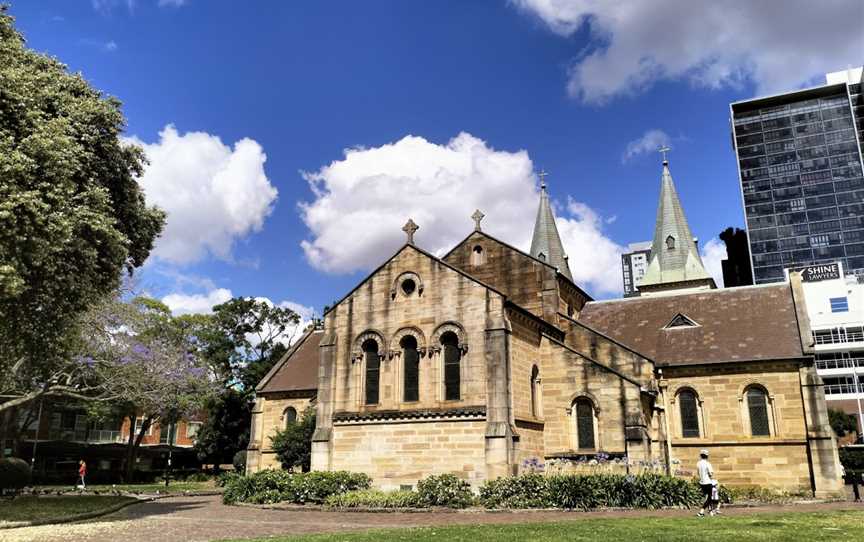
(196,303)
(713,253)
(363,200)
(649,142)
(594,258)
(213,194)
(716,44)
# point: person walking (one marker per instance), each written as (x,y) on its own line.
(706,482)
(82,474)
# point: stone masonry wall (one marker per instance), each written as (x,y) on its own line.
(272,421)
(397,454)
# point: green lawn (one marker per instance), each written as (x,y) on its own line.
(796,527)
(30,508)
(173,487)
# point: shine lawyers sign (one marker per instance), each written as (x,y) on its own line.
(817,273)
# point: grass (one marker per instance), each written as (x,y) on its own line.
(760,527)
(30,508)
(173,487)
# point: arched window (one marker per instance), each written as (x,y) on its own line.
(535,392)
(584,413)
(373,369)
(670,243)
(452,361)
(478,256)
(757,406)
(290,416)
(411,369)
(689,409)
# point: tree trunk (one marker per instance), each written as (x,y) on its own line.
(133,444)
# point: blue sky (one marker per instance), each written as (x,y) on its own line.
(530,84)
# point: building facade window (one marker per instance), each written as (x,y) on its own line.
(757,407)
(452,365)
(373,370)
(167,433)
(689,409)
(670,243)
(536,409)
(585,418)
(289,415)
(192,429)
(839,304)
(410,369)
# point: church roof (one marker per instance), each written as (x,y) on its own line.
(546,243)
(298,368)
(674,256)
(731,324)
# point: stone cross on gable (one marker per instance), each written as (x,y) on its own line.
(663,150)
(409,228)
(477,217)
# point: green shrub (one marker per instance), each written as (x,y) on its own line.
(293,445)
(760,494)
(588,491)
(224,478)
(374,498)
(445,490)
(271,486)
(199,477)
(240,461)
(14,474)
(852,459)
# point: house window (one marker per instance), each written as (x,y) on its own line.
(373,369)
(452,362)
(411,369)
(689,414)
(670,243)
(167,433)
(289,415)
(584,410)
(535,392)
(478,256)
(757,405)
(139,422)
(839,304)
(192,429)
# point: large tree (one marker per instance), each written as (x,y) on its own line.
(72,215)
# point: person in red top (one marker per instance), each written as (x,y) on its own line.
(82,473)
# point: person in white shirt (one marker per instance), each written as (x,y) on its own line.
(706,482)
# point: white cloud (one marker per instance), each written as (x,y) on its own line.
(214,195)
(650,141)
(196,303)
(777,46)
(362,201)
(172,3)
(713,253)
(111,46)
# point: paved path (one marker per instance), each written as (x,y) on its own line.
(206,518)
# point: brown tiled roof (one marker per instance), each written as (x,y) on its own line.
(733,324)
(298,368)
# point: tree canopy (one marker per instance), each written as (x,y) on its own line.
(72,214)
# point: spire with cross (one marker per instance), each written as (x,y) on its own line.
(409,228)
(542,176)
(477,217)
(663,150)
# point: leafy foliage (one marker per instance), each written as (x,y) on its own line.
(72,215)
(14,473)
(293,445)
(374,498)
(271,486)
(842,422)
(445,490)
(239,461)
(225,430)
(852,459)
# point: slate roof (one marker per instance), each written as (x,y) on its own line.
(546,240)
(298,368)
(733,324)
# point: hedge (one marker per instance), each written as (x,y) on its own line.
(14,474)
(374,498)
(588,491)
(272,486)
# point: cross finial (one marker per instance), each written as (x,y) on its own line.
(663,150)
(409,228)
(477,217)
(542,176)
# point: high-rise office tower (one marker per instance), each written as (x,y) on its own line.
(800,166)
(633,266)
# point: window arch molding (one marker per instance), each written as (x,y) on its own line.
(676,411)
(587,395)
(747,414)
(453,327)
(373,334)
(396,288)
(396,340)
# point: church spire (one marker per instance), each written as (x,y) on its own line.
(675,263)
(546,243)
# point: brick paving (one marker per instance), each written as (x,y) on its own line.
(206,518)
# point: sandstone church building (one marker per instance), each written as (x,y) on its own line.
(483,360)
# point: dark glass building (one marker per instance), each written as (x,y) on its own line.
(800,165)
